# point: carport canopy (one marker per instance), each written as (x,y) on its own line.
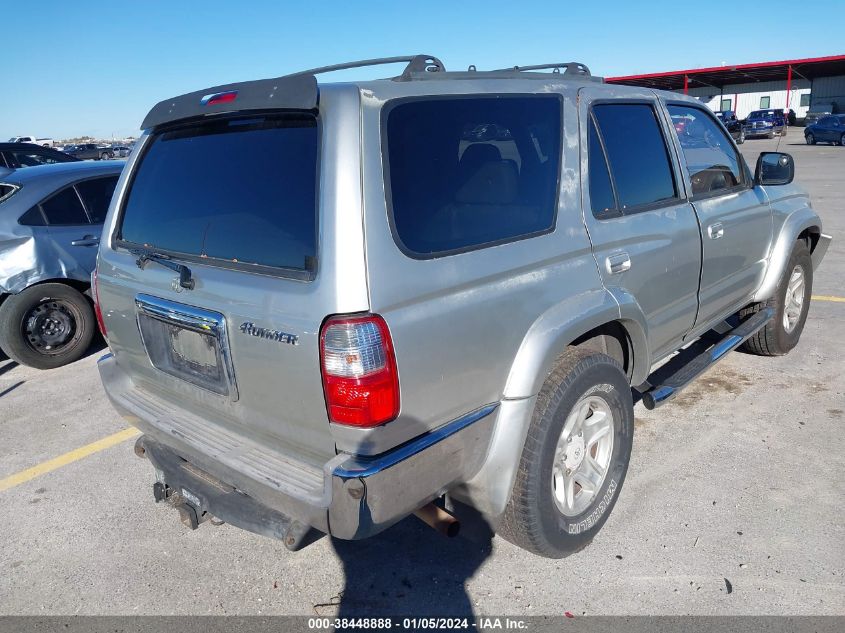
(722,76)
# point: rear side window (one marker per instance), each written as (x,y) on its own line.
(463,173)
(96,194)
(238,192)
(64,208)
(712,162)
(637,154)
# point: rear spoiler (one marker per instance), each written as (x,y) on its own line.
(292,92)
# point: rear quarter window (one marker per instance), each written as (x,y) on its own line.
(239,191)
(464,173)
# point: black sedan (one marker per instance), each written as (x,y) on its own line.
(828,129)
(17,155)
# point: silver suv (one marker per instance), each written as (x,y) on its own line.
(331,306)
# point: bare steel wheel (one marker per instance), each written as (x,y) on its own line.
(794,298)
(583,455)
(46,325)
(50,325)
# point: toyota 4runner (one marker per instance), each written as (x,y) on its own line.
(329,306)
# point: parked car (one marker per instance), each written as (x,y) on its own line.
(17,155)
(791,117)
(765,123)
(121,151)
(829,129)
(51,217)
(43,142)
(819,110)
(733,125)
(91,151)
(398,315)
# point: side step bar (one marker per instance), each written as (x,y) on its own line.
(693,361)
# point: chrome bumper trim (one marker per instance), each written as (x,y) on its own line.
(357,466)
(820,250)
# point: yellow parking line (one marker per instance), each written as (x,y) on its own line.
(828,298)
(68,458)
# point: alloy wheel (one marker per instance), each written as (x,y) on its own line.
(582,456)
(794,300)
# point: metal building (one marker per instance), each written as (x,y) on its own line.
(790,84)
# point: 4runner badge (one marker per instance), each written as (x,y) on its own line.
(247,327)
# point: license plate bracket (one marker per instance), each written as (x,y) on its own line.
(188,343)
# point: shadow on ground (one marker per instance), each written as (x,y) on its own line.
(410,570)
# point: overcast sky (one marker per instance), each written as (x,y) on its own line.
(83,67)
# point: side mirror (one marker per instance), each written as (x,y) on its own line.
(774,168)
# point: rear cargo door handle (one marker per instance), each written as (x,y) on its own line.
(715,231)
(88,240)
(618,263)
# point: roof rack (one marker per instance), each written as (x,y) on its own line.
(570,68)
(416,64)
(298,91)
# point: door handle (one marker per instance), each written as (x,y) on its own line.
(618,263)
(715,231)
(88,240)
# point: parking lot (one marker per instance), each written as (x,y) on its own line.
(732,505)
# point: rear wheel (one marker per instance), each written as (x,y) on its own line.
(842,140)
(46,326)
(811,140)
(741,138)
(791,304)
(575,456)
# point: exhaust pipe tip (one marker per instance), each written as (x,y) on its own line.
(139,449)
(437,518)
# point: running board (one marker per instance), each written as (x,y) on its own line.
(693,361)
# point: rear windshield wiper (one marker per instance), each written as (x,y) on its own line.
(144,256)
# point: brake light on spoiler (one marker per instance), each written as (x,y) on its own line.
(219,97)
(360,379)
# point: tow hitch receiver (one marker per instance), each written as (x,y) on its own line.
(186,503)
(199,496)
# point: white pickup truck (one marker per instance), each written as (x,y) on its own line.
(44,142)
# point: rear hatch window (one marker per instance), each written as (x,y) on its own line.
(238,192)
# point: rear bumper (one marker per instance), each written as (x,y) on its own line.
(254,487)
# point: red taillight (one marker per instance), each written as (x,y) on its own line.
(97,311)
(360,379)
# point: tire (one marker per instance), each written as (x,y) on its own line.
(104,156)
(842,140)
(535,518)
(778,338)
(46,326)
(811,140)
(741,138)
(771,134)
